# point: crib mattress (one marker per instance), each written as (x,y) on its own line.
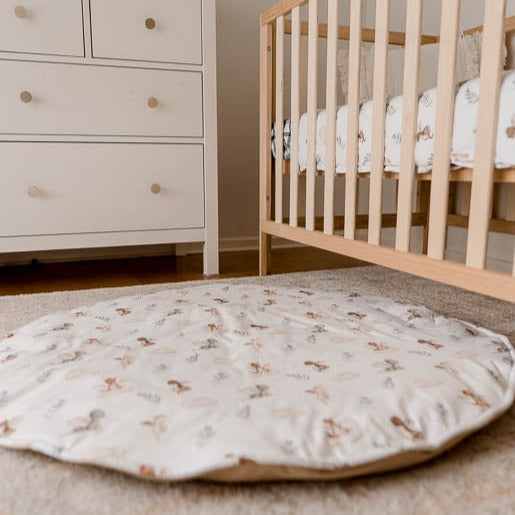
(464,134)
(244,383)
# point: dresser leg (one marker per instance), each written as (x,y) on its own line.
(211,259)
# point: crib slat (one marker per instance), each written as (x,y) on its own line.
(510,214)
(378,121)
(279,118)
(331,99)
(312,114)
(486,137)
(445,95)
(295,116)
(351,177)
(409,124)
(265,145)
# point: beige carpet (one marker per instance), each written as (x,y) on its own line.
(477,477)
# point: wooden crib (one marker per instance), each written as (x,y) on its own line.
(433,208)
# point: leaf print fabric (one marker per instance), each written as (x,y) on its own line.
(465,123)
(180,383)
(464,135)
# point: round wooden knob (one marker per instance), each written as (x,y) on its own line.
(26,97)
(152,102)
(20,11)
(33,192)
(150,23)
(155,189)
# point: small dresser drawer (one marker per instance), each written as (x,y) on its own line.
(68,99)
(71,188)
(147,30)
(51,27)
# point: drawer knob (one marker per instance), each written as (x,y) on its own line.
(33,192)
(25,97)
(20,11)
(152,102)
(155,189)
(150,23)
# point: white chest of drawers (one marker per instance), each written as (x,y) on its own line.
(108,124)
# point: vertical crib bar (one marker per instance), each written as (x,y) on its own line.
(279,118)
(445,98)
(351,177)
(378,121)
(331,98)
(510,213)
(422,206)
(265,174)
(295,116)
(409,124)
(486,137)
(312,113)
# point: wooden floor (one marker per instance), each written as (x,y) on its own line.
(38,278)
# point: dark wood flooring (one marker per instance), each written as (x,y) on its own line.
(39,277)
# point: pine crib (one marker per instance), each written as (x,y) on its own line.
(433,207)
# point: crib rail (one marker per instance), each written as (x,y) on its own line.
(367,35)
(338,230)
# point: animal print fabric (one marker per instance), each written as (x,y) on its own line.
(181,383)
(464,135)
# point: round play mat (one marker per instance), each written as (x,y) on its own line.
(242,382)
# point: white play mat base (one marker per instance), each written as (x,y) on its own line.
(244,383)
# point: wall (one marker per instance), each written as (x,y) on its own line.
(238,108)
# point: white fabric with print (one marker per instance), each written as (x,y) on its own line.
(464,136)
(183,382)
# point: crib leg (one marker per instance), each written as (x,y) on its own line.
(265,254)
(423,200)
(265,175)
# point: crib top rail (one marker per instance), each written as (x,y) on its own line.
(281,8)
(284,7)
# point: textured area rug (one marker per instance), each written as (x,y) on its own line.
(472,478)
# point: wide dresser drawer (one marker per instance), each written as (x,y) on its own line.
(51,27)
(70,188)
(147,30)
(69,99)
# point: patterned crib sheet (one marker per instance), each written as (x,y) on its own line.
(464,135)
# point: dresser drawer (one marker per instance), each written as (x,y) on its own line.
(68,99)
(70,188)
(42,27)
(148,30)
